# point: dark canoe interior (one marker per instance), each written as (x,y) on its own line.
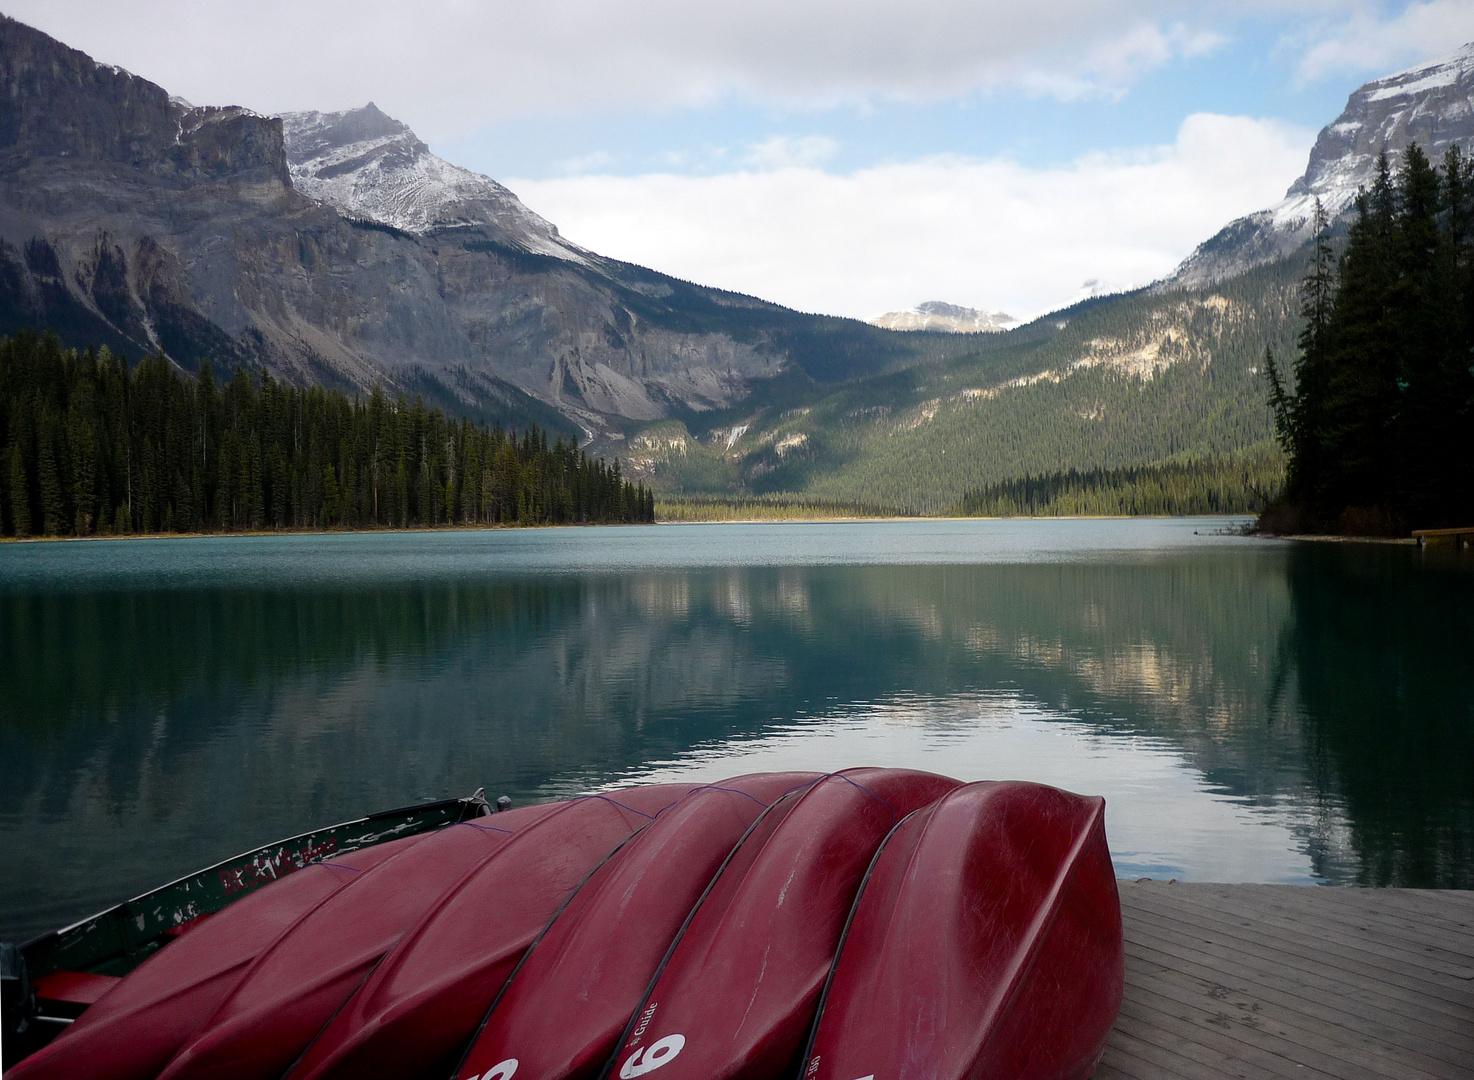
(50,980)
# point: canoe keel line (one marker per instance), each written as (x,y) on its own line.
(872,924)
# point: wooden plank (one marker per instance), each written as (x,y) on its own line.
(1265,982)
(1295,976)
(1278,1029)
(1215,1030)
(1331,1013)
(1334,954)
(1132,1058)
(1297,946)
(1339,935)
(1283,1011)
(1149,1023)
(1327,905)
(1449,912)
(1453,912)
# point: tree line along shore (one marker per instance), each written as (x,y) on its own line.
(91,446)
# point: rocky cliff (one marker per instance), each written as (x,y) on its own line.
(1431,104)
(336,249)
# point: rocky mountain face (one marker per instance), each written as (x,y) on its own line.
(948,318)
(1432,105)
(371,166)
(335,249)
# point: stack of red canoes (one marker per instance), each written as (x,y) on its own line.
(871,923)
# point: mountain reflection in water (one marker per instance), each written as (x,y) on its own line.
(1251,710)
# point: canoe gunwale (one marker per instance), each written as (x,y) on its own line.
(118,938)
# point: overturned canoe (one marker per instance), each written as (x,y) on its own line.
(986,944)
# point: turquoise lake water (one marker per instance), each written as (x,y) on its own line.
(1252,710)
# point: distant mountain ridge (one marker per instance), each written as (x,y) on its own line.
(948,318)
(1431,104)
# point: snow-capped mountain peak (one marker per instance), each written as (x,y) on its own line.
(369,165)
(1431,104)
(949,318)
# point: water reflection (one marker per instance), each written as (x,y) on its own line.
(1255,711)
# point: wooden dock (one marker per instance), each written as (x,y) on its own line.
(1294,981)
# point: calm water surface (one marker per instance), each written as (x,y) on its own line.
(1252,710)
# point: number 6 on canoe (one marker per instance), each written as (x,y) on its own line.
(652,1057)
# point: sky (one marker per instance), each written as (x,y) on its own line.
(841,156)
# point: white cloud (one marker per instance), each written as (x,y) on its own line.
(991,234)
(450,66)
(1369,41)
(787,152)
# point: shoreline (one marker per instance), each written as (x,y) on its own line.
(851,520)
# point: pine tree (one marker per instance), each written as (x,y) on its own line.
(19,491)
(53,509)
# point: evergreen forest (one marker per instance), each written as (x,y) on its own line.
(1239,484)
(94,446)
(1376,409)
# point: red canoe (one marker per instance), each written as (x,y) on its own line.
(134,1029)
(986,944)
(562,1013)
(737,997)
(414,1015)
(303,980)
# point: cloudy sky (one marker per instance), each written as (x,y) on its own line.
(843,156)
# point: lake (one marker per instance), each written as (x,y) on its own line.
(1252,710)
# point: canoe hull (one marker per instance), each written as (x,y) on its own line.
(987,944)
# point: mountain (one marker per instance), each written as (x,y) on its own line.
(1169,374)
(371,166)
(1121,381)
(1431,104)
(948,318)
(335,249)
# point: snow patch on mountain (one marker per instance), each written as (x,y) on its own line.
(1431,104)
(369,165)
(948,318)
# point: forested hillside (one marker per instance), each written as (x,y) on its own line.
(1125,382)
(1377,408)
(92,446)
(1241,484)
